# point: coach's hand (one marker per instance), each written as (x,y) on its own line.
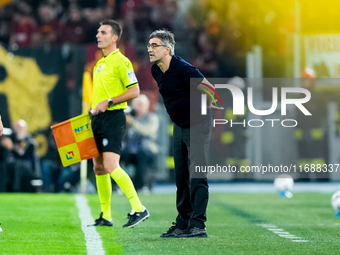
(101,107)
(216,108)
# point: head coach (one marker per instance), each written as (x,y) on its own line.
(173,75)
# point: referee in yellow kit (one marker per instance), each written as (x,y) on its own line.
(114,83)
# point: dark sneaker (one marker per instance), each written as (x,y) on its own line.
(101,222)
(173,230)
(193,232)
(136,217)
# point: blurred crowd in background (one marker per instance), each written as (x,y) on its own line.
(31,22)
(214,29)
(208,32)
(211,31)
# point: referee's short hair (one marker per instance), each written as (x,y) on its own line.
(116,27)
(166,37)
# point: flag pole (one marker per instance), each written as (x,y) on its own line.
(83,176)
(87,94)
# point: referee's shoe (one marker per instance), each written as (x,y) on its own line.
(136,217)
(101,222)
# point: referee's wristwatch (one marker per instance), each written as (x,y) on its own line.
(110,102)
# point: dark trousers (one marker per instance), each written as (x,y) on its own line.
(192,189)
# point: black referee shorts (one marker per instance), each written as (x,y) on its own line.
(108,129)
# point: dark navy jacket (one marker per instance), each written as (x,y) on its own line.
(176,90)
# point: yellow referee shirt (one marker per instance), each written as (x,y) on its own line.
(112,76)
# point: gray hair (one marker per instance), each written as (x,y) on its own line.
(166,37)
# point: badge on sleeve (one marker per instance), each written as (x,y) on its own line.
(132,77)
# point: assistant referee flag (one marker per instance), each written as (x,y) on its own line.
(74,139)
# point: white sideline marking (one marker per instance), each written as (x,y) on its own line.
(281,233)
(289,236)
(94,244)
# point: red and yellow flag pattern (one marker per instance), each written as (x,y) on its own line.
(74,139)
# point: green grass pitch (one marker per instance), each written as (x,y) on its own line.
(49,224)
